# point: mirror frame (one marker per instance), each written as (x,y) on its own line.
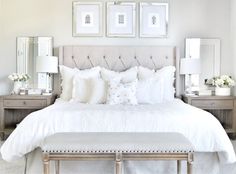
(216,43)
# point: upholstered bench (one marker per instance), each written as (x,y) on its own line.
(118,147)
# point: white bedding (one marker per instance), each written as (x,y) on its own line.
(200,127)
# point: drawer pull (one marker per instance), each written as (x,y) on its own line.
(24,102)
(212,103)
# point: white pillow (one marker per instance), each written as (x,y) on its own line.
(98,91)
(150,91)
(67,75)
(121,93)
(89,90)
(144,73)
(126,76)
(167,74)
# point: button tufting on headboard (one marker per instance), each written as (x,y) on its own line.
(120,58)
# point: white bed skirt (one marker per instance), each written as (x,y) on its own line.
(204,163)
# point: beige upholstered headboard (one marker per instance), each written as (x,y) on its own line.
(120,58)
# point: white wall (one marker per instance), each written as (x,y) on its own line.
(233,34)
(188,18)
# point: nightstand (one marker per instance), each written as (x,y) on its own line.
(223,108)
(14,108)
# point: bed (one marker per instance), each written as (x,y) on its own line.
(212,145)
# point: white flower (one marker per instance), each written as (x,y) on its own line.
(19,77)
(219,82)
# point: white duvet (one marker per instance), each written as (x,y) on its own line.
(200,127)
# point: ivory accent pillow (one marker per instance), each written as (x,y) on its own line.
(121,93)
(89,90)
(67,75)
(125,76)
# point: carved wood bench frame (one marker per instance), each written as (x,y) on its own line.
(118,158)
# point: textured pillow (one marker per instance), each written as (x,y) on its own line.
(150,91)
(89,90)
(121,93)
(98,91)
(144,73)
(67,75)
(126,76)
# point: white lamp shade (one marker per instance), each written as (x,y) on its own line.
(47,64)
(190,66)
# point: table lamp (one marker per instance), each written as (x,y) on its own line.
(48,65)
(189,66)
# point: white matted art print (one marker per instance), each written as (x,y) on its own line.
(121,19)
(153,19)
(87,18)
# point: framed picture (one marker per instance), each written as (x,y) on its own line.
(154,19)
(121,19)
(87,18)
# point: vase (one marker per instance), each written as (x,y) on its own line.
(222,91)
(17,86)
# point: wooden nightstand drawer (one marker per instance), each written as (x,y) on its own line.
(25,103)
(213,104)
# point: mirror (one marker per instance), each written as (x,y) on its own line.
(28,48)
(208,50)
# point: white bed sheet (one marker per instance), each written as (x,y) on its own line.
(200,127)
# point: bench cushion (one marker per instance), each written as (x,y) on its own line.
(117,142)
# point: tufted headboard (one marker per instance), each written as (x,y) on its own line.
(120,58)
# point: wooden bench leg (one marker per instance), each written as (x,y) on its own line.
(57,166)
(178,167)
(118,163)
(189,167)
(189,163)
(46,163)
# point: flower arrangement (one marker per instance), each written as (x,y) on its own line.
(21,77)
(223,81)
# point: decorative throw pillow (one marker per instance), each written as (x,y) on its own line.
(67,75)
(125,76)
(121,93)
(150,91)
(91,90)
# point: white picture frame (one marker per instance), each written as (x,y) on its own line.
(87,18)
(154,19)
(121,19)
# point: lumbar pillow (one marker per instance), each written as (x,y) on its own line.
(121,93)
(125,76)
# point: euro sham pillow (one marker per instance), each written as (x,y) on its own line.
(125,76)
(145,73)
(121,93)
(167,74)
